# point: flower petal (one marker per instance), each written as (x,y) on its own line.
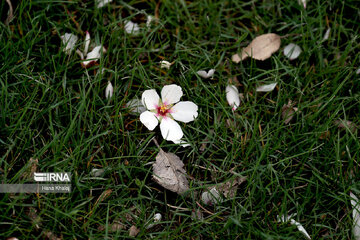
(93,56)
(101,3)
(232,96)
(149,120)
(69,40)
(266,88)
(150,99)
(109,90)
(292,51)
(87,43)
(131,27)
(171,94)
(181,143)
(170,129)
(184,111)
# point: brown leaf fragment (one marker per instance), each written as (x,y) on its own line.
(113,227)
(10,13)
(325,135)
(229,188)
(344,124)
(168,171)
(133,231)
(288,112)
(261,48)
(31,168)
(51,236)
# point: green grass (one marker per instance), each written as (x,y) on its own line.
(54,110)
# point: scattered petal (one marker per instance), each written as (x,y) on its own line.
(69,40)
(81,55)
(133,231)
(355,203)
(303,2)
(93,56)
(149,120)
(357,71)
(149,19)
(292,51)
(266,88)
(150,99)
(109,90)
(327,34)
(232,96)
(132,28)
(165,64)
(170,129)
(171,94)
(293,222)
(136,106)
(211,197)
(181,143)
(87,43)
(261,48)
(184,111)
(95,172)
(157,217)
(205,74)
(101,3)
(168,171)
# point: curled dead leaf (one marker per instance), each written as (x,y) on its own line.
(261,48)
(345,124)
(168,171)
(288,112)
(133,231)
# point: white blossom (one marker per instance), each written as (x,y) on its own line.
(101,3)
(166,110)
(232,97)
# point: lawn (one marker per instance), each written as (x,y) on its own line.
(55,117)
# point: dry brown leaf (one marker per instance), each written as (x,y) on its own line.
(133,231)
(51,236)
(32,166)
(228,188)
(10,14)
(261,48)
(168,171)
(346,124)
(288,112)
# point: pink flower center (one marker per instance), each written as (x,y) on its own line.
(163,110)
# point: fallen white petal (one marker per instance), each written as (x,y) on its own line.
(357,71)
(288,218)
(165,64)
(149,20)
(97,172)
(184,111)
(170,129)
(266,88)
(211,197)
(80,54)
(181,143)
(157,217)
(356,215)
(101,3)
(109,90)
(171,94)
(93,56)
(303,2)
(136,106)
(149,120)
(69,40)
(132,28)
(205,74)
(150,99)
(87,43)
(292,51)
(232,96)
(327,34)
